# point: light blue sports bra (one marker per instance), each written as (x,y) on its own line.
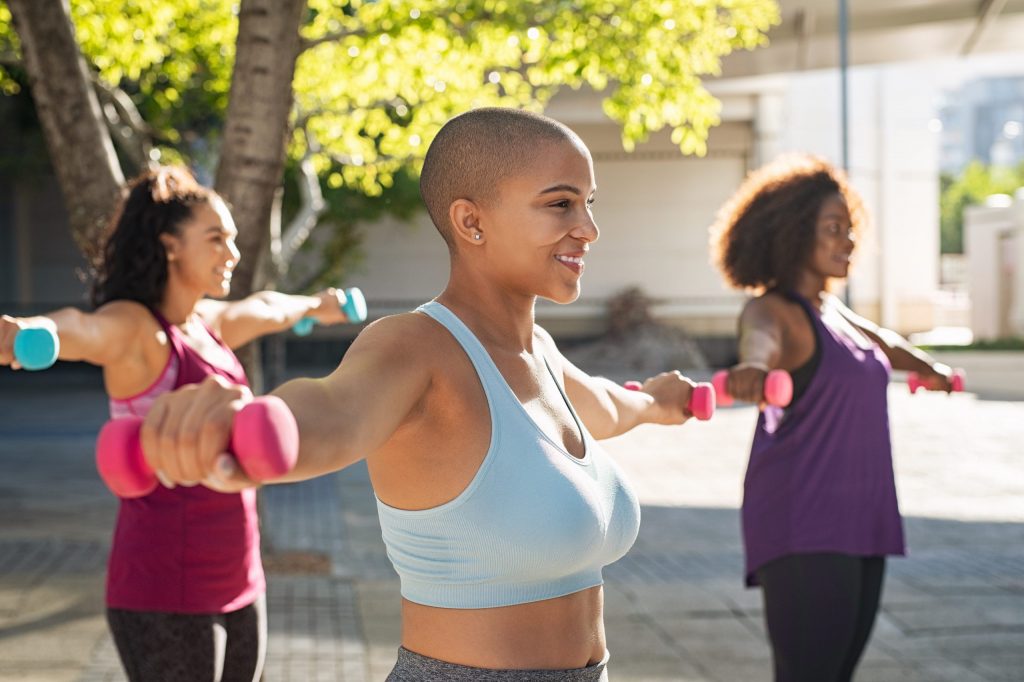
(534,523)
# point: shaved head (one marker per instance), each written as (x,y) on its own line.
(475,152)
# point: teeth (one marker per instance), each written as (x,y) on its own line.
(570,259)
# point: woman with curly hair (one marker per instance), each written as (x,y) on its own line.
(185,580)
(819,506)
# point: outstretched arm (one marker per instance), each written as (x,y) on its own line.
(607,409)
(342,418)
(101,337)
(267,312)
(902,354)
(761,335)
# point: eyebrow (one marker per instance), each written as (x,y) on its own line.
(213,229)
(561,188)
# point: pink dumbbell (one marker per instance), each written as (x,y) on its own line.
(702,399)
(915,382)
(264,440)
(778,388)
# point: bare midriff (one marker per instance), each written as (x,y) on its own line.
(555,634)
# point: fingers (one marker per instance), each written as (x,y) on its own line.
(187,430)
(746,383)
(8,330)
(671,392)
(227,476)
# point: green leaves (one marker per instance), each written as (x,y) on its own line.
(376,79)
(380,78)
(975,182)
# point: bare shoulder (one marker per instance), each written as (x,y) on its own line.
(551,351)
(126,310)
(769,309)
(407,337)
(125,319)
(211,309)
(547,343)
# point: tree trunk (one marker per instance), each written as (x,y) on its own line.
(253,150)
(251,166)
(79,143)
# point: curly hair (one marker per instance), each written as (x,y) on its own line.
(134,260)
(764,234)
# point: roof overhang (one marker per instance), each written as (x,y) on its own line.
(882,31)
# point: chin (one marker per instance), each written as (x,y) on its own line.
(564,297)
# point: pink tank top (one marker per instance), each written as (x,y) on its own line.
(184,550)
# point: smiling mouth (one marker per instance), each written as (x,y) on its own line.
(574,263)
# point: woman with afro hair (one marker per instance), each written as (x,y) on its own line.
(819,506)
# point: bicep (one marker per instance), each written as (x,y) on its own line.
(239,322)
(351,413)
(102,337)
(761,333)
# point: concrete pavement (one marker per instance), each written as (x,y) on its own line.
(676,607)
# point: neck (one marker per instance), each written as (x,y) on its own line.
(811,286)
(499,318)
(178,304)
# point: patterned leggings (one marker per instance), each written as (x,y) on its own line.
(174,647)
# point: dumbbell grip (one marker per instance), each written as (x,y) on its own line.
(264,440)
(351,302)
(915,382)
(778,388)
(702,399)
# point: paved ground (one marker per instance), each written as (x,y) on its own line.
(676,608)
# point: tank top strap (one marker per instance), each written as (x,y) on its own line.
(173,335)
(192,367)
(495,387)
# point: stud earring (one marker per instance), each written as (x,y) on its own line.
(477,236)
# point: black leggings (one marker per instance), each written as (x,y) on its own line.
(820,609)
(174,647)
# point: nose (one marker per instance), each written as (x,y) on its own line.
(587,230)
(235,253)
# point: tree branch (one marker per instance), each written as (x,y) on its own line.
(331,37)
(284,246)
(127,127)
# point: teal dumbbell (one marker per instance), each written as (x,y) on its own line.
(36,348)
(351,302)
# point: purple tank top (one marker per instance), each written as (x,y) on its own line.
(184,550)
(820,476)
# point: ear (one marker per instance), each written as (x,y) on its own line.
(171,245)
(464,216)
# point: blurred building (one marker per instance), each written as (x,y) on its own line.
(983,121)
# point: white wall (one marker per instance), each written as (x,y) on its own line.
(653,208)
(893,163)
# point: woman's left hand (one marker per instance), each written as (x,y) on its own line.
(329,312)
(938,377)
(671,392)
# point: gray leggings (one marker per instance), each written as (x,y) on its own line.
(174,647)
(412,667)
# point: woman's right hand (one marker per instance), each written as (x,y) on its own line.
(9,328)
(187,432)
(746,382)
